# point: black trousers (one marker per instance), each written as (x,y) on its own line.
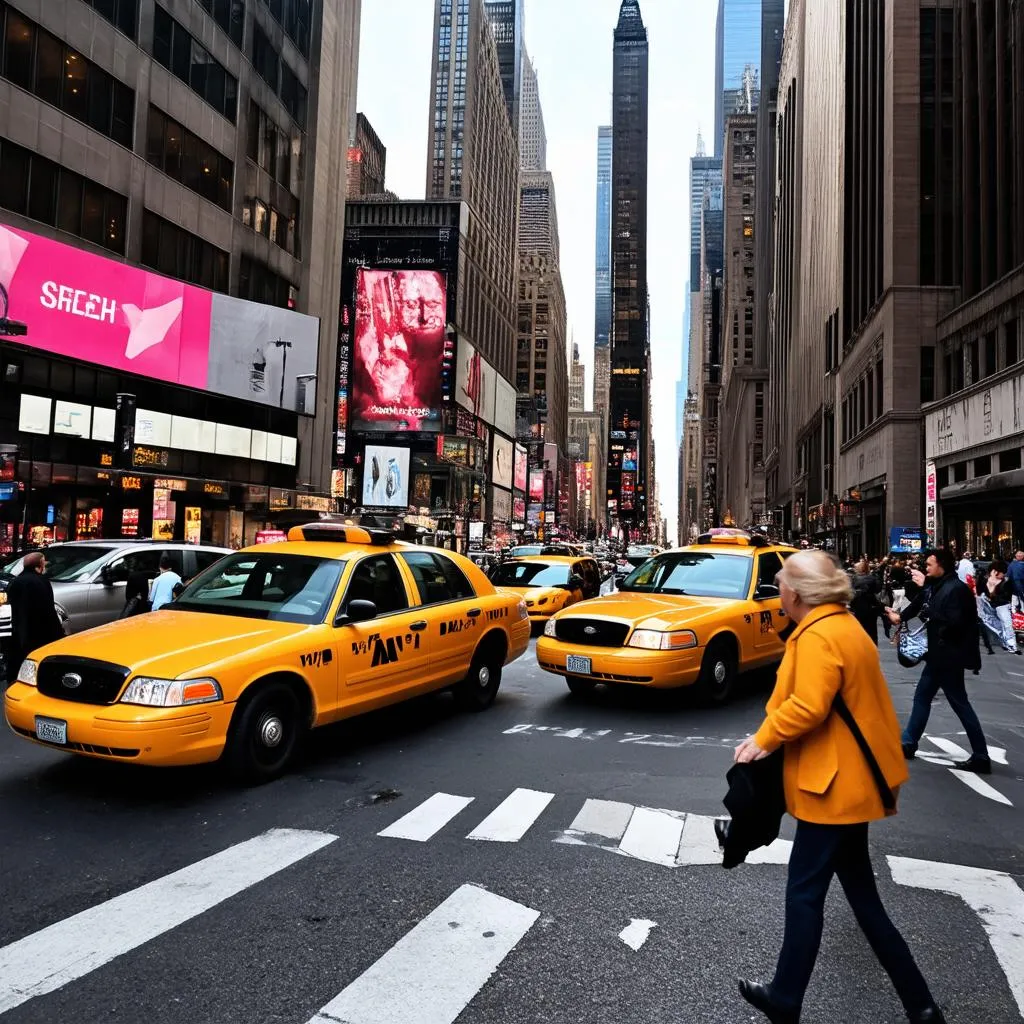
(819,852)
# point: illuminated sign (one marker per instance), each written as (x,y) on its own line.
(150,457)
(625,371)
(131,483)
(106,459)
(170,485)
(218,490)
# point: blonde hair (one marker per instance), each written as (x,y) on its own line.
(817,578)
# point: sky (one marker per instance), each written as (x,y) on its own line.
(570,43)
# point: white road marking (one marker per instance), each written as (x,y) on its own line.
(512,818)
(433,972)
(607,818)
(642,739)
(698,844)
(980,786)
(636,933)
(994,896)
(777,853)
(653,836)
(48,959)
(522,727)
(426,820)
(572,734)
(938,759)
(998,754)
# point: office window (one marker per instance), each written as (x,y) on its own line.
(38,188)
(185,157)
(177,51)
(172,250)
(989,366)
(229,14)
(296,18)
(293,94)
(40,63)
(122,14)
(265,59)
(275,150)
(927,374)
(1011,343)
(259,283)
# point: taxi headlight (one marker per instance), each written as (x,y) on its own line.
(549,627)
(171,693)
(27,672)
(3,597)
(654,640)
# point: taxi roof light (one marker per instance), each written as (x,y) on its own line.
(737,538)
(337,533)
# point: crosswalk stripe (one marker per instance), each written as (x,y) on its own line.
(424,821)
(607,818)
(653,836)
(433,972)
(699,844)
(48,959)
(512,818)
(980,786)
(997,754)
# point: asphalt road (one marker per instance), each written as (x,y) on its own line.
(409,926)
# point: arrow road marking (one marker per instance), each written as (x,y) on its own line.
(993,895)
(636,933)
(979,785)
(997,754)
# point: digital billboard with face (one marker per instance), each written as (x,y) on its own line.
(397,348)
(501,469)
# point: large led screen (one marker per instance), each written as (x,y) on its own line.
(501,470)
(385,477)
(521,468)
(397,349)
(475,382)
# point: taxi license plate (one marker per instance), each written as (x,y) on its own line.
(52,730)
(577,666)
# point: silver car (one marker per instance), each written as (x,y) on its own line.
(89,576)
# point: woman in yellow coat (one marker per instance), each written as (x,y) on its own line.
(829,786)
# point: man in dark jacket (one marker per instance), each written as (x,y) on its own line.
(949,610)
(34,620)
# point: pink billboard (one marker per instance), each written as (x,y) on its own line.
(120,316)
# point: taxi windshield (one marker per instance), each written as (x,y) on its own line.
(530,574)
(525,549)
(694,573)
(275,586)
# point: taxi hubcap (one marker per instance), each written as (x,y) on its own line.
(720,672)
(485,675)
(271,731)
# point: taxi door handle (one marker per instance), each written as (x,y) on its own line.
(473,612)
(418,627)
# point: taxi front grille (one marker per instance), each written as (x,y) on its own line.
(98,682)
(591,632)
(84,748)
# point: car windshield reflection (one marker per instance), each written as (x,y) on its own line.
(530,574)
(695,574)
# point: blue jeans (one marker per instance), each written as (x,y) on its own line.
(819,852)
(950,680)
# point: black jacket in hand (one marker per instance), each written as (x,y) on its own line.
(756,802)
(950,611)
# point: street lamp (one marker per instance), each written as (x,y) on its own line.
(284,346)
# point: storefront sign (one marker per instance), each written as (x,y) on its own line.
(131,483)
(156,458)
(170,484)
(116,315)
(270,536)
(931,524)
(214,489)
(8,461)
(193,524)
(130,522)
(314,503)
(256,494)
(906,540)
(8,492)
(988,415)
(337,483)
(453,449)
(280,499)
(106,459)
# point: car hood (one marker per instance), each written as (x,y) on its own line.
(536,593)
(168,644)
(649,611)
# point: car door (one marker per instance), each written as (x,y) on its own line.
(768,617)
(453,609)
(106,593)
(390,653)
(591,578)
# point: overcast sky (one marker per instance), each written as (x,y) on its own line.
(570,42)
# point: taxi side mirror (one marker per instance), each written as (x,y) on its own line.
(356,611)
(766,592)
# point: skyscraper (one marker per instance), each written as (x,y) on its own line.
(705,189)
(533,140)
(473,157)
(737,62)
(603,272)
(506,18)
(629,427)
(577,381)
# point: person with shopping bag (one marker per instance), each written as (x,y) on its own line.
(842,767)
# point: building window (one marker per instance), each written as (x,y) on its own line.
(122,14)
(989,366)
(259,283)
(296,18)
(278,75)
(36,187)
(177,51)
(1009,460)
(178,253)
(229,14)
(1011,343)
(185,157)
(927,374)
(41,64)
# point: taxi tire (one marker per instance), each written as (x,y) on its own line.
(477,691)
(717,673)
(249,756)
(580,687)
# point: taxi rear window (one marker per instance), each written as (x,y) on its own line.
(279,587)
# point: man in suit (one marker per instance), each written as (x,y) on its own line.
(34,620)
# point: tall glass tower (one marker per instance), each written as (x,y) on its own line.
(629,452)
(506,18)
(737,62)
(603,268)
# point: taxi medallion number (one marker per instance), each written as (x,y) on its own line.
(577,666)
(51,730)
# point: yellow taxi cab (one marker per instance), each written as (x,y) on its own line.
(267,643)
(692,616)
(548,583)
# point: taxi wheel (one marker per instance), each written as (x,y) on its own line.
(580,687)
(265,735)
(477,691)
(717,673)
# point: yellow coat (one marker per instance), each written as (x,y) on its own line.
(827,779)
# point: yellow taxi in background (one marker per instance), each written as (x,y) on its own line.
(268,643)
(548,583)
(693,616)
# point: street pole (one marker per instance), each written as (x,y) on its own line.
(284,345)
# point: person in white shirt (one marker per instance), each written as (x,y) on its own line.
(965,567)
(162,591)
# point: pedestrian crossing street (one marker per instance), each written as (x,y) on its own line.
(442,963)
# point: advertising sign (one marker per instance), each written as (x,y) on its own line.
(501,469)
(518,509)
(520,477)
(931,496)
(504,406)
(475,382)
(398,345)
(906,540)
(119,316)
(453,449)
(537,486)
(501,505)
(385,477)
